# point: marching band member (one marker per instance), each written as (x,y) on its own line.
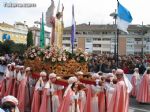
(50,98)
(37,97)
(120,98)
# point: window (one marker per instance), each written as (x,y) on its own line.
(97,39)
(78,33)
(88,40)
(106,52)
(66,38)
(97,52)
(84,32)
(96,45)
(67,45)
(106,39)
(138,39)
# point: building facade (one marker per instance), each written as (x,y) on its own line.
(102,38)
(36,36)
(17,32)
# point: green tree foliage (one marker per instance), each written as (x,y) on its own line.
(29,39)
(1,48)
(19,48)
(9,47)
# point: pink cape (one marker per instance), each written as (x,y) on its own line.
(10,86)
(88,107)
(36,101)
(3,88)
(21,94)
(120,98)
(60,95)
(15,88)
(143,94)
(134,89)
(66,102)
(101,101)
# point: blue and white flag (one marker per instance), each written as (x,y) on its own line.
(73,29)
(124,18)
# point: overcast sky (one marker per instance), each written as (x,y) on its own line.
(94,11)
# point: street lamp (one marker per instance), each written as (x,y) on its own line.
(114,15)
(142,32)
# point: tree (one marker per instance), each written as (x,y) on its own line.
(8,45)
(29,39)
(19,48)
(1,48)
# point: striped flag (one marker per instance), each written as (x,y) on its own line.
(42,39)
(124,18)
(73,29)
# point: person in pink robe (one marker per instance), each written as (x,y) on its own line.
(16,84)
(9,104)
(109,89)
(82,98)
(10,80)
(143,95)
(23,91)
(37,97)
(135,79)
(67,104)
(4,82)
(96,89)
(120,98)
(50,98)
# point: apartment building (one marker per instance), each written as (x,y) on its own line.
(102,39)
(17,32)
(36,36)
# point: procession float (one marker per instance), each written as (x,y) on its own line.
(59,61)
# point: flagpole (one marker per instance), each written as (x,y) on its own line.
(72,29)
(117,36)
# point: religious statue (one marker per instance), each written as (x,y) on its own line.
(56,22)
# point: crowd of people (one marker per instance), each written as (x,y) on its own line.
(106,62)
(92,92)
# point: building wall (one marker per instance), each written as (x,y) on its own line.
(17,33)
(36,37)
(81,43)
(103,40)
(122,46)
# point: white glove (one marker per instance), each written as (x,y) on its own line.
(76,96)
(40,88)
(97,82)
(51,90)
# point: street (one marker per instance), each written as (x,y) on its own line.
(137,107)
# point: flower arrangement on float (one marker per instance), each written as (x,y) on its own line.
(57,60)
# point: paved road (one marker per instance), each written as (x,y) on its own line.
(138,107)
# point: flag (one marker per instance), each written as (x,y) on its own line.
(124,18)
(42,39)
(73,29)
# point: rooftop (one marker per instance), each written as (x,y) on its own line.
(6,25)
(110,27)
